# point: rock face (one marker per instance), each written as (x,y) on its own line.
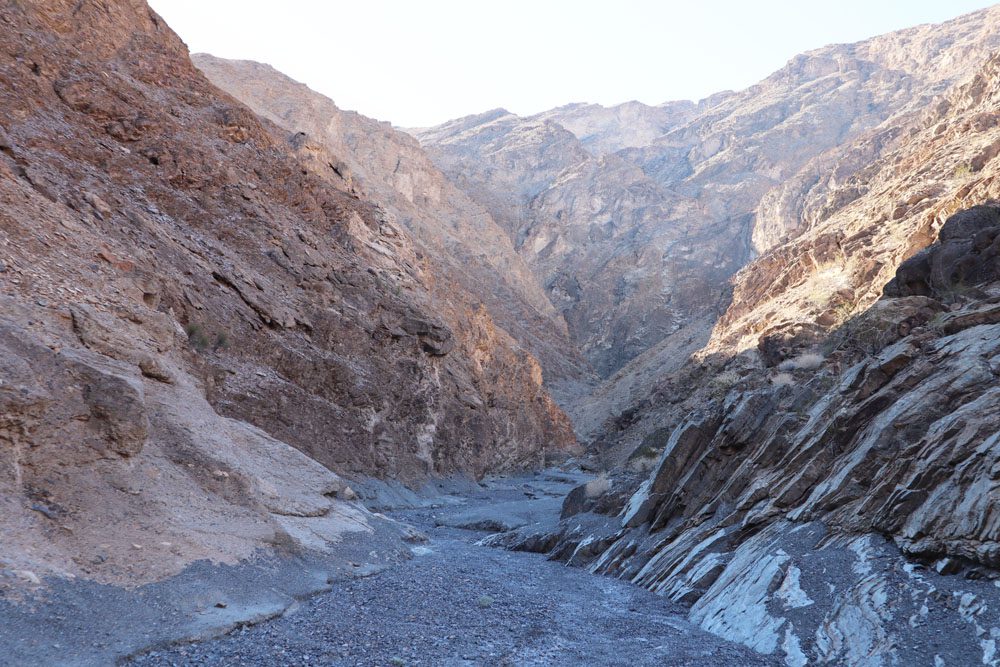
(634,218)
(605,130)
(193,321)
(455,235)
(594,229)
(818,481)
(908,176)
(824,465)
(811,510)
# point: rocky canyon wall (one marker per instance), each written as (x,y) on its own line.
(197,329)
(818,481)
(634,218)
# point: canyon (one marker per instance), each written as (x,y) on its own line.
(739,354)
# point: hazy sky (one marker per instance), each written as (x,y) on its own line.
(421,62)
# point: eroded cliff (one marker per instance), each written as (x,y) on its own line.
(818,482)
(457,236)
(182,297)
(634,218)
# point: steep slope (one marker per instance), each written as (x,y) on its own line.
(908,176)
(603,130)
(636,246)
(457,235)
(826,464)
(818,512)
(182,298)
(594,230)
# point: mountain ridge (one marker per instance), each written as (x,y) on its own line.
(712,192)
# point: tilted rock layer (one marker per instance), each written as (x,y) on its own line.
(781,506)
(819,481)
(457,236)
(183,297)
(634,218)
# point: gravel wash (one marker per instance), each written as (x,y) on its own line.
(456,603)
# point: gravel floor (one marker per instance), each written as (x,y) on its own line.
(456,603)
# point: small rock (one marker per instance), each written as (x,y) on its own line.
(42,509)
(221,605)
(29,576)
(100,206)
(484,601)
(947,566)
(152,369)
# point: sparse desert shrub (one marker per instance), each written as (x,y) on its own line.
(842,310)
(808,361)
(643,464)
(721,383)
(645,457)
(646,450)
(196,336)
(936,323)
(962,170)
(782,379)
(864,334)
(958,291)
(202,340)
(221,341)
(597,486)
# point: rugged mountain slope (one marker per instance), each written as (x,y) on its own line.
(782,506)
(603,130)
(909,175)
(182,298)
(456,235)
(635,246)
(827,463)
(592,229)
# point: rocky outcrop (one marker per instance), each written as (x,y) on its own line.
(592,229)
(197,330)
(820,482)
(604,130)
(811,510)
(457,238)
(635,234)
(917,171)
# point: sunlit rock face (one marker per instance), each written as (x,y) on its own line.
(839,505)
(634,218)
(819,481)
(456,236)
(198,334)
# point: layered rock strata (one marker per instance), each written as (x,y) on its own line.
(197,330)
(810,509)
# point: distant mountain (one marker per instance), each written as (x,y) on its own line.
(634,218)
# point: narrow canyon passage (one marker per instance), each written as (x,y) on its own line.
(286,383)
(456,603)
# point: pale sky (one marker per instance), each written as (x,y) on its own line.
(422,62)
